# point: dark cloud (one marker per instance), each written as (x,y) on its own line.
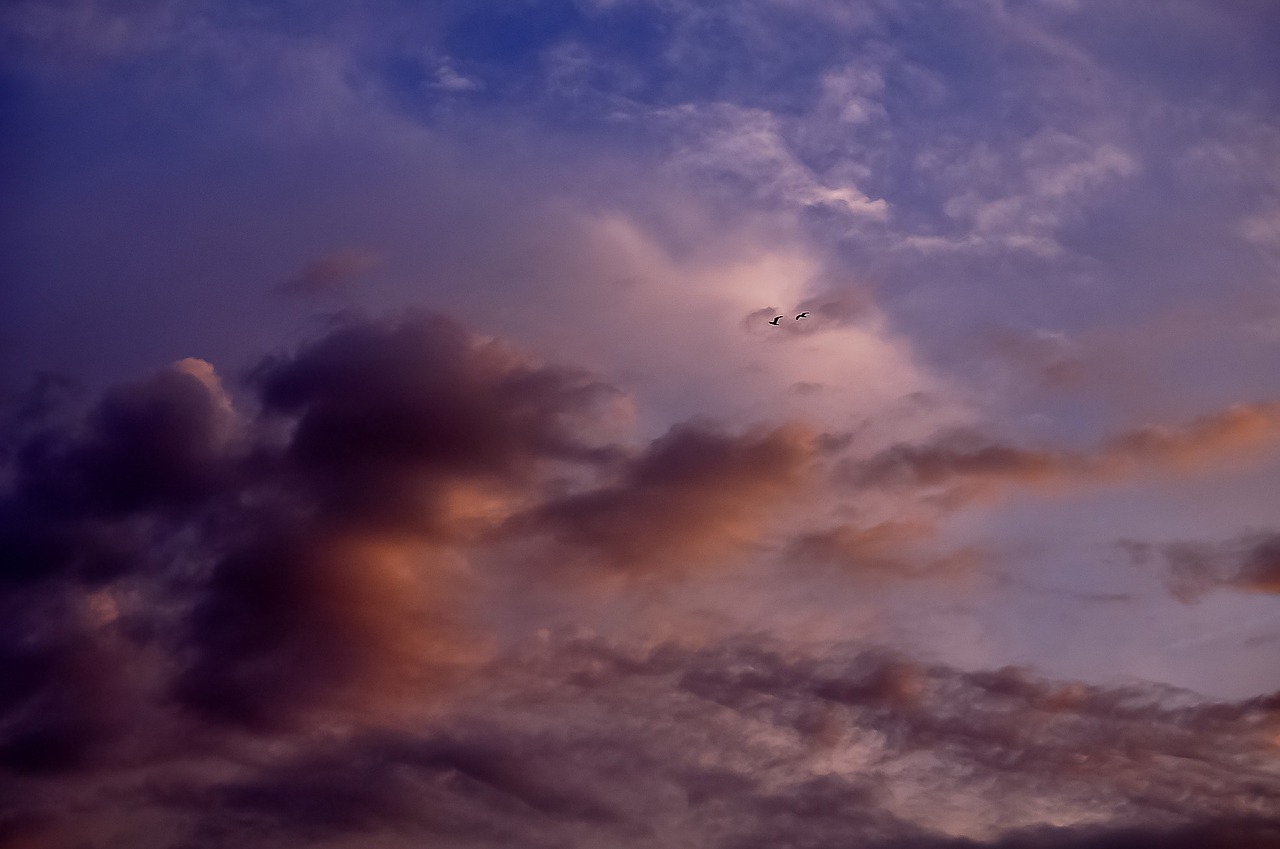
(307,620)
(388,418)
(248,627)
(303,556)
(748,743)
(465,786)
(1244,833)
(693,493)
(403,437)
(154,446)
(961,465)
(65,698)
(1251,563)
(281,560)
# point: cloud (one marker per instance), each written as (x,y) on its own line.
(888,550)
(966,465)
(270,586)
(405,438)
(294,556)
(1245,833)
(743,151)
(308,552)
(1250,563)
(1050,359)
(250,622)
(694,493)
(180,566)
(329,274)
(1238,429)
(153,445)
(1053,175)
(389,418)
(582,741)
(827,311)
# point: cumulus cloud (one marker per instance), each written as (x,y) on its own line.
(285,558)
(393,415)
(155,445)
(309,552)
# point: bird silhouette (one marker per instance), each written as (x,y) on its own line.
(775,321)
(802,315)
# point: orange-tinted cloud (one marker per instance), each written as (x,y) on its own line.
(693,493)
(888,550)
(1236,430)
(294,559)
(174,574)
(308,554)
(1250,563)
(967,465)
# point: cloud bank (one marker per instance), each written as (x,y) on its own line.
(260,600)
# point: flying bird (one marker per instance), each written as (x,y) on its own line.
(775,321)
(802,315)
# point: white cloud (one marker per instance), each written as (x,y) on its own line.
(747,145)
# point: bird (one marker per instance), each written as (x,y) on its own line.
(775,321)
(802,315)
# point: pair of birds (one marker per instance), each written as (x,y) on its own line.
(779,318)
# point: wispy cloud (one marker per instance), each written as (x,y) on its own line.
(1250,563)
(966,464)
(329,274)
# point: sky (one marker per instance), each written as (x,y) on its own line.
(396,451)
